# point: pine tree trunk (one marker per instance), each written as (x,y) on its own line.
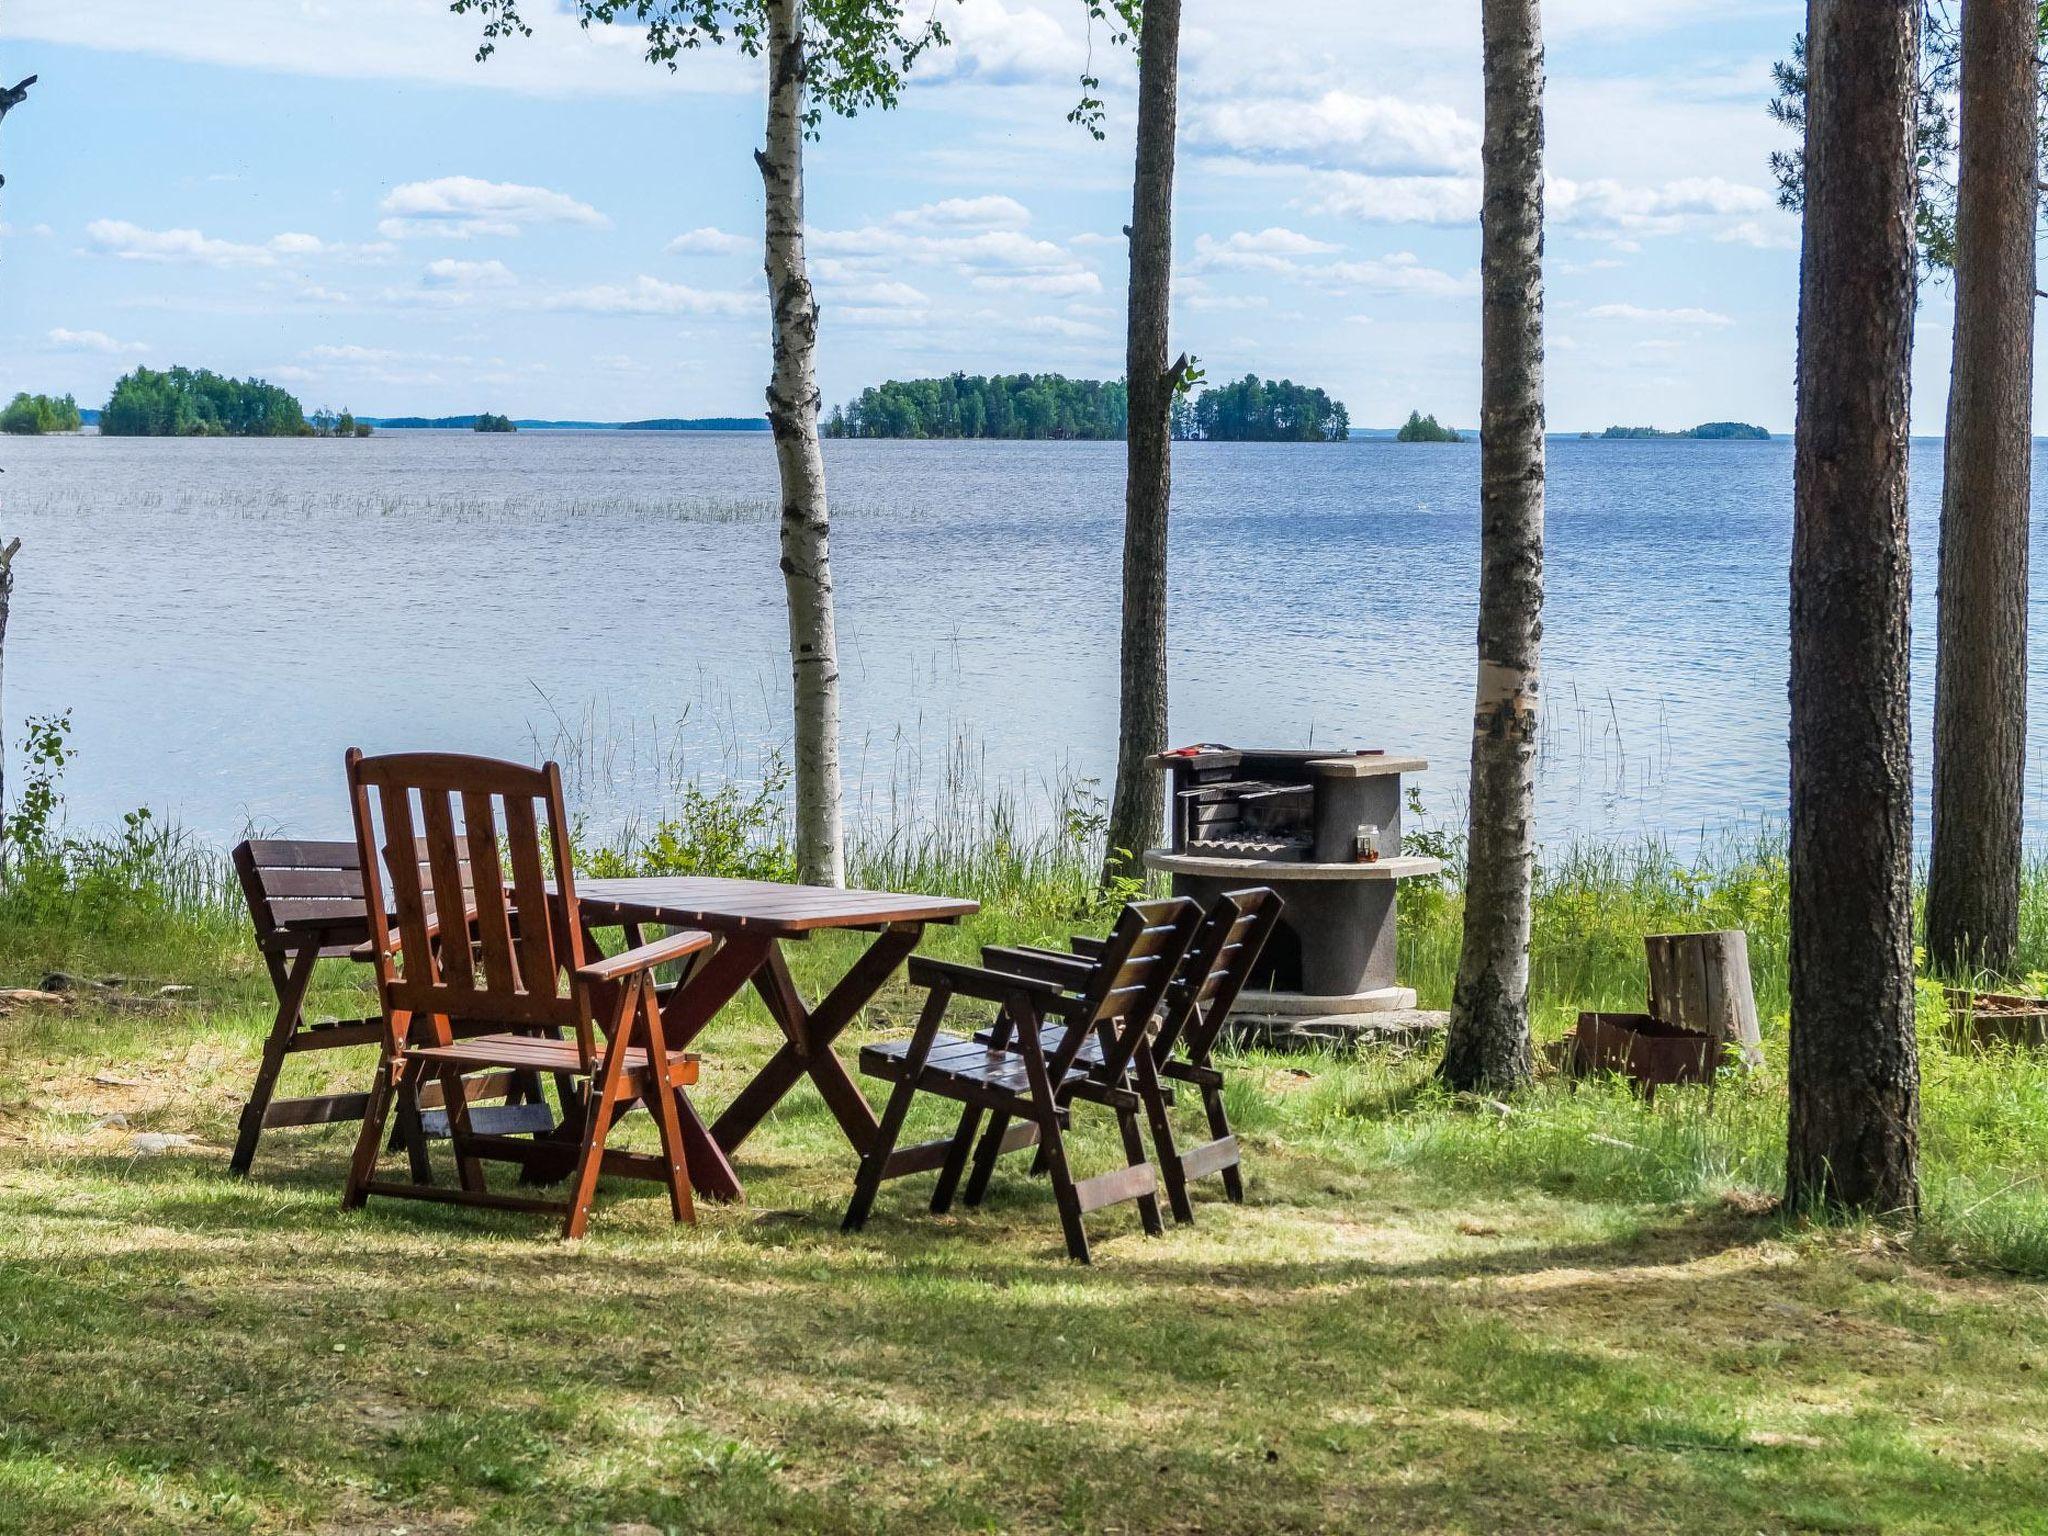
(1137,807)
(1853,1137)
(793,414)
(1488,1041)
(1980,685)
(7,553)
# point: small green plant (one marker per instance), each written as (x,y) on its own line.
(734,830)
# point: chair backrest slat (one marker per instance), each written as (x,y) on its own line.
(493,917)
(536,934)
(450,890)
(1219,963)
(1138,961)
(472,947)
(299,882)
(417,951)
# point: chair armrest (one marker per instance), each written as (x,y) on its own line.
(973,981)
(1042,964)
(685,941)
(1088,947)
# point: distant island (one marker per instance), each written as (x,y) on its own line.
(1712,431)
(524,424)
(30,415)
(1419,428)
(187,402)
(489,423)
(1052,407)
(1008,406)
(1254,410)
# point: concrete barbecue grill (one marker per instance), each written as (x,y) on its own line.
(1324,830)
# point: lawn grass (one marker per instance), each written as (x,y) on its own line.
(1574,1311)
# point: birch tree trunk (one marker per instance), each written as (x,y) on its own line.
(1854,1076)
(1980,684)
(1487,1045)
(1137,807)
(793,415)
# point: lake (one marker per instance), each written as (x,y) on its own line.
(223,618)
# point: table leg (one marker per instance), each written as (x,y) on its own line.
(684,1015)
(811,1032)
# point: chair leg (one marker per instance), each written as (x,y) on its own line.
(469,1170)
(362,1166)
(985,1157)
(1172,1172)
(1134,1155)
(875,1162)
(956,1159)
(410,1132)
(597,1127)
(666,1114)
(291,997)
(1055,1152)
(1219,1127)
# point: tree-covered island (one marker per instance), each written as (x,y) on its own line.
(1052,406)
(30,415)
(486,422)
(1707,431)
(1419,428)
(187,402)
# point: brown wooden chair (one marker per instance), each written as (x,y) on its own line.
(1182,1041)
(523,977)
(1016,1075)
(306,903)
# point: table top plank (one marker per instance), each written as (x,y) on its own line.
(725,905)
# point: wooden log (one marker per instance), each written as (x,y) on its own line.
(1701,981)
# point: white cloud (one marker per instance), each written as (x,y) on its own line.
(1340,128)
(651,296)
(992,212)
(131,242)
(462,207)
(1267,250)
(1637,314)
(708,242)
(1397,199)
(1049,284)
(379,40)
(352,354)
(1402,272)
(881,295)
(449,273)
(995,45)
(92,341)
(1674,207)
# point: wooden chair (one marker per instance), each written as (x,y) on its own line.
(1190,1020)
(306,903)
(1016,1075)
(523,983)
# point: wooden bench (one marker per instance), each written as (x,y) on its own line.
(306,904)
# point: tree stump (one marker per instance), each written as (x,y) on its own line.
(1701,981)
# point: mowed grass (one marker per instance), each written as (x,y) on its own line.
(1573,1311)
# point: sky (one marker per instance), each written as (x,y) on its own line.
(336,196)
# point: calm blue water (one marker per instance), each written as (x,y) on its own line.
(224,618)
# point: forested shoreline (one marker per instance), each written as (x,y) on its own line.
(1024,406)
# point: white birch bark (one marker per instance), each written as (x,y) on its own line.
(800,462)
(1488,1041)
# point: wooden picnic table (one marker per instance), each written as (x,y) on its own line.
(753,919)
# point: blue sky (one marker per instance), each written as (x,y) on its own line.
(332,194)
